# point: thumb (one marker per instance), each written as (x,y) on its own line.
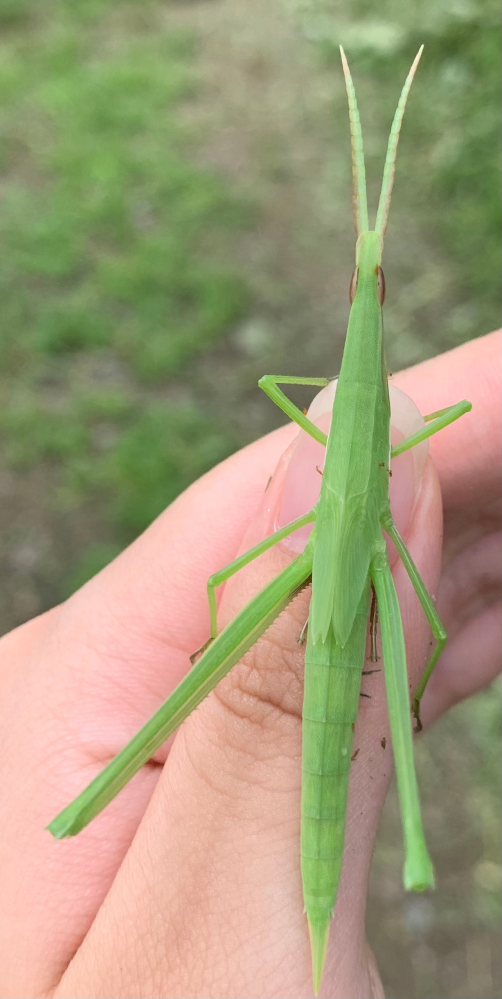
(298,481)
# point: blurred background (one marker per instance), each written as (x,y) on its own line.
(175,220)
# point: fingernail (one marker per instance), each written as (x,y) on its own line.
(295,486)
(408,468)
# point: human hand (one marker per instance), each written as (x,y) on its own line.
(467,459)
(188,884)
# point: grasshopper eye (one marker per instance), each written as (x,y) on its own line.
(380,286)
(353,285)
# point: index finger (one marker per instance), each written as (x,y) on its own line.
(467,454)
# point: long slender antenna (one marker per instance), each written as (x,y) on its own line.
(390,161)
(359,198)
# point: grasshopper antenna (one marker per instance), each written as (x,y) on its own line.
(390,160)
(359,197)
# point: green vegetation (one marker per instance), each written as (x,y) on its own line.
(105,228)
(450,163)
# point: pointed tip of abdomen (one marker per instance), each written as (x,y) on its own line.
(319,935)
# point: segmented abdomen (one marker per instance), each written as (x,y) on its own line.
(331,698)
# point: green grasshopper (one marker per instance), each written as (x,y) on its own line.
(346,558)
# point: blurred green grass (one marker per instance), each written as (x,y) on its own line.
(105,226)
(453,125)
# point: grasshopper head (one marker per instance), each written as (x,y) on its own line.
(369,248)
(368,262)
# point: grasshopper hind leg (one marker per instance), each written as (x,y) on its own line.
(430,611)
